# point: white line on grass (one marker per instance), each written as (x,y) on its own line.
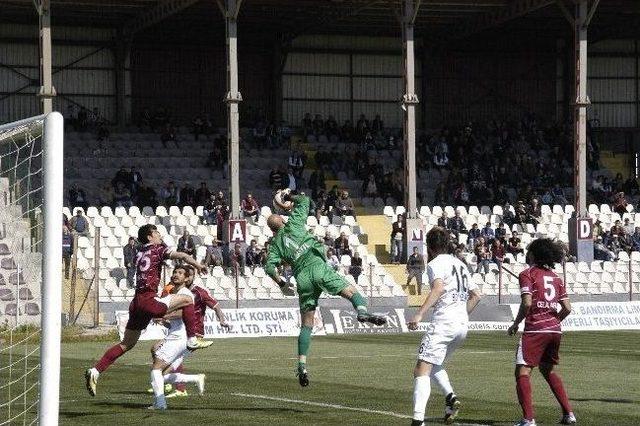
(334,406)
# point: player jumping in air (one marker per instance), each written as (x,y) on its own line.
(453,296)
(297,247)
(542,291)
(146,305)
(202,301)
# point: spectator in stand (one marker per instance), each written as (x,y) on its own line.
(67,249)
(332,260)
(508,217)
(237,260)
(620,203)
(474,233)
(459,251)
(631,187)
(601,252)
(290,180)
(547,197)
(534,212)
(497,252)
(597,229)
(617,228)
(635,239)
(501,233)
(106,195)
(443,221)
(186,244)
(341,245)
(146,196)
(318,126)
(296,163)
(628,227)
(168,135)
(521,215)
(344,205)
(377,126)
(369,187)
(123,176)
(456,224)
(356,266)
(332,130)
(77,197)
(276,179)
(122,196)
(441,195)
(202,194)
(487,233)
(272,139)
(614,245)
(362,128)
(213,256)
(317,182)
(135,180)
(513,246)
(397,238)
(284,134)
(130,251)
(483,257)
(559,196)
(415,269)
(501,195)
(252,255)
(307,125)
(187,196)
(169,195)
(250,207)
(197,127)
(347,132)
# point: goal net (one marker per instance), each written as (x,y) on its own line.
(30,267)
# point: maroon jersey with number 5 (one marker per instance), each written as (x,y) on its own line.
(546,290)
(149,267)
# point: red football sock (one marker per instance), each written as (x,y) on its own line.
(523,387)
(555,383)
(180,386)
(189,319)
(109,357)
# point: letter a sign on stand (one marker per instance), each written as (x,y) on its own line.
(237,231)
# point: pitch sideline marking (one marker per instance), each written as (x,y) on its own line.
(334,406)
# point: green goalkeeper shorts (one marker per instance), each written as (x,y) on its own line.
(313,279)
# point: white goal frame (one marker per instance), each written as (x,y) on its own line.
(51,291)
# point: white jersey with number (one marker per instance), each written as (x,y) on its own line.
(452,305)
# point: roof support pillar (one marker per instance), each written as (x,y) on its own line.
(409,102)
(230,11)
(47,91)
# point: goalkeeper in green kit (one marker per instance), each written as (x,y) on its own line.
(292,244)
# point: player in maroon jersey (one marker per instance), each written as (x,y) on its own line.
(542,291)
(146,305)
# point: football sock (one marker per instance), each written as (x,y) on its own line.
(359,303)
(157,383)
(189,319)
(523,388)
(421,392)
(555,383)
(109,357)
(180,386)
(304,340)
(440,376)
(179,378)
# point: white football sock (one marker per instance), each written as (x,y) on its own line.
(157,383)
(440,376)
(181,378)
(421,391)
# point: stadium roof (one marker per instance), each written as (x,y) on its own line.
(437,20)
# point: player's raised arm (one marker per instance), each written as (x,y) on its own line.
(177,255)
(473,300)
(271,268)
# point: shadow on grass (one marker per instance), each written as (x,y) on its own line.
(138,405)
(464,421)
(608,400)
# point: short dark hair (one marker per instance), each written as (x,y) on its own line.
(145,232)
(187,269)
(438,240)
(545,252)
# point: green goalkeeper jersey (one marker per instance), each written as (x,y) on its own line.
(293,244)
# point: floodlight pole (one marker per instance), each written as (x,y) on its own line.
(47,91)
(233,97)
(409,102)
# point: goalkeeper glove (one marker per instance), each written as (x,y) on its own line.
(287,288)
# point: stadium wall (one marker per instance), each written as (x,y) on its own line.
(84,70)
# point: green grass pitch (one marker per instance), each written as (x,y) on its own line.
(251,381)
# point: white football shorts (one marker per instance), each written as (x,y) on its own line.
(171,349)
(440,341)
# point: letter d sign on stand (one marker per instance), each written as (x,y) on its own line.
(581,238)
(585,229)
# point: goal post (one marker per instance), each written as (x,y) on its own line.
(31,202)
(51,317)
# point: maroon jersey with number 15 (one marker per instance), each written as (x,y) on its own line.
(546,290)
(149,267)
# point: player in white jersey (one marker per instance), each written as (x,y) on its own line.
(173,346)
(453,296)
